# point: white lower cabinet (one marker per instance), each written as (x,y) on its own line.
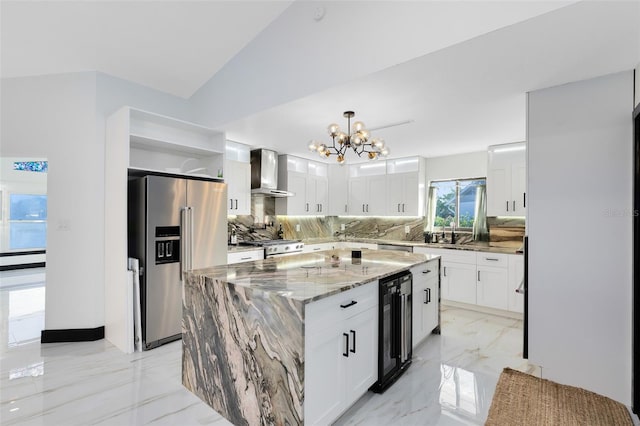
(492,287)
(245,256)
(425,300)
(324,390)
(459,282)
(361,358)
(354,245)
(341,352)
(480,278)
(309,248)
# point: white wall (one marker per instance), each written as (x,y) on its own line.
(580,185)
(470,165)
(54,117)
(62,117)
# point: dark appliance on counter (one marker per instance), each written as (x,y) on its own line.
(174,225)
(274,248)
(394,332)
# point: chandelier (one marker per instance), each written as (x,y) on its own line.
(359,139)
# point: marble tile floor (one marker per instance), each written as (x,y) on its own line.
(450,382)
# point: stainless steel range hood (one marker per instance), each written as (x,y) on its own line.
(264,174)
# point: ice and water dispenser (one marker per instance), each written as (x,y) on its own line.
(167,244)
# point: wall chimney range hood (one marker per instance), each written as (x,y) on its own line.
(264,174)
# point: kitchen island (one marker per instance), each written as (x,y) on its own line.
(245,334)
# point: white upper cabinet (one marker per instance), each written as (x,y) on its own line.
(238,179)
(406,187)
(308,182)
(237,176)
(317,188)
(338,190)
(368,189)
(506,180)
(158,143)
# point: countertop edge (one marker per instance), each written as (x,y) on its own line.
(196,275)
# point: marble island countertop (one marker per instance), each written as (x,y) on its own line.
(311,276)
(243,328)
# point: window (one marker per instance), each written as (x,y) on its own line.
(456,202)
(27,221)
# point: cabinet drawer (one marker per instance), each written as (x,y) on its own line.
(428,271)
(498,260)
(453,255)
(245,256)
(335,308)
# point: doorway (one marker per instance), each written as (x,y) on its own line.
(23,242)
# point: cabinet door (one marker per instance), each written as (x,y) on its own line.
(325,393)
(459,282)
(420,301)
(357,196)
(297,204)
(376,204)
(242,190)
(519,189)
(395,191)
(322,189)
(430,320)
(232,183)
(311,205)
(411,198)
(516,276)
(492,287)
(498,192)
(338,182)
(362,363)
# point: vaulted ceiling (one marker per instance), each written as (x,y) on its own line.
(276,73)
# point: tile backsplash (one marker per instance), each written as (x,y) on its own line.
(506,232)
(263,224)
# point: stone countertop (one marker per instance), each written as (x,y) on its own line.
(475,246)
(232,248)
(310,276)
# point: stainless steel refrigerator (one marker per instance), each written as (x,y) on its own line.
(174,225)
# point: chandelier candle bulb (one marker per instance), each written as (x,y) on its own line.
(359,139)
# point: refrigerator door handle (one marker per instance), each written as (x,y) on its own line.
(190,240)
(183,242)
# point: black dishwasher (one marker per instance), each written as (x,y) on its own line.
(394,332)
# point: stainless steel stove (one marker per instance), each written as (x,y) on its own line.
(277,247)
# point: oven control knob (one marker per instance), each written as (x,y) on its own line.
(286,248)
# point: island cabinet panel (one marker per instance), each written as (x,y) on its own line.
(426,300)
(241,346)
(341,352)
(324,376)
